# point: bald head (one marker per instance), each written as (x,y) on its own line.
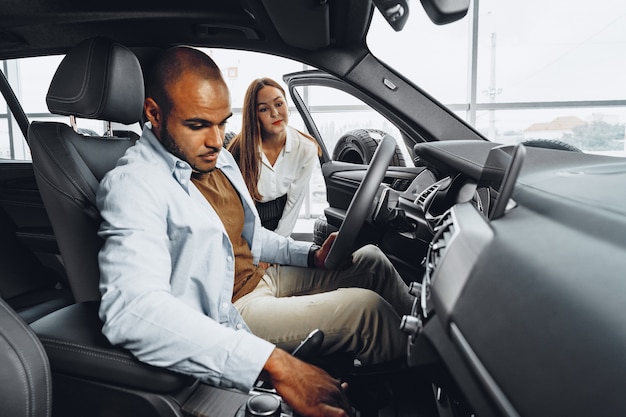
(172,65)
(188,106)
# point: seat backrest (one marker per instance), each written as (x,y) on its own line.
(98,79)
(25,381)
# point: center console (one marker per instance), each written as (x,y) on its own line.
(209,401)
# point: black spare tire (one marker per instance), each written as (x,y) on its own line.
(551,144)
(358,146)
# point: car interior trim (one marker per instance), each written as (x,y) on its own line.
(487,380)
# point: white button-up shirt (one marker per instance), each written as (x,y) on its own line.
(290,174)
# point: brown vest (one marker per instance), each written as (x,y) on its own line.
(225,200)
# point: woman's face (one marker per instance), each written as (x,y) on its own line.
(272,111)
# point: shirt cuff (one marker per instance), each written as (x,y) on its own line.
(247,362)
(311,257)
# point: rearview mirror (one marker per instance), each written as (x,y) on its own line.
(442,12)
(396,12)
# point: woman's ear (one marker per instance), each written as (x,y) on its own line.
(153,112)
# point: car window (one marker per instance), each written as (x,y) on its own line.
(6,147)
(30,78)
(337,114)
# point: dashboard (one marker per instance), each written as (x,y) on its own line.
(524,309)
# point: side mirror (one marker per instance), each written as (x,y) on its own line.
(396,12)
(442,12)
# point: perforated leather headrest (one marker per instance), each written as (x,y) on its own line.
(98,79)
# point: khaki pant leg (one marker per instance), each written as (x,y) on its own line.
(370,270)
(353,320)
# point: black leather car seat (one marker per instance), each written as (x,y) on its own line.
(98,79)
(25,381)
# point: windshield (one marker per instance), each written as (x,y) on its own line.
(538,69)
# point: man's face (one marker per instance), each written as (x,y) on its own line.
(195,127)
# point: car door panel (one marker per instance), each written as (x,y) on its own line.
(20,200)
(357,132)
(343,179)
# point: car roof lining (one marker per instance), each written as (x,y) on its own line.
(283,27)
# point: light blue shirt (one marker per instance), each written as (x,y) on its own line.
(167,268)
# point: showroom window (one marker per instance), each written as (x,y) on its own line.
(538,69)
(32,96)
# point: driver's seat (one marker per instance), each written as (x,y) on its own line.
(98,79)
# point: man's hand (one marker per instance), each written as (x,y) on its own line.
(322,253)
(308,390)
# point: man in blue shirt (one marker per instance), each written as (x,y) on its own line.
(183,243)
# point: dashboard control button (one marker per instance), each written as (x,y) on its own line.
(411,325)
(415,289)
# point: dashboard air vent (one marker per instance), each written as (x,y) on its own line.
(421,199)
(443,233)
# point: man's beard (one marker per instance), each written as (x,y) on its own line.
(172,147)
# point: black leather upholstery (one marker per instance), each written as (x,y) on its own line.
(29,287)
(74,342)
(25,381)
(68,167)
(99,79)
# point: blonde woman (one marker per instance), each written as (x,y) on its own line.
(276,160)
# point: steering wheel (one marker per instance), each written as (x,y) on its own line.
(361,203)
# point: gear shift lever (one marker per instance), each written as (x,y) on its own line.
(310,346)
(306,350)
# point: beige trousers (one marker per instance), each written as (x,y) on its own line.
(358,309)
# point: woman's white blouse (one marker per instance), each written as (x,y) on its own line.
(290,175)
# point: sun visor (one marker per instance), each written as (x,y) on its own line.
(302,24)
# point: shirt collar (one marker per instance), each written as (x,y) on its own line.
(180,170)
(174,163)
(289,140)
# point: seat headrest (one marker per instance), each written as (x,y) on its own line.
(98,79)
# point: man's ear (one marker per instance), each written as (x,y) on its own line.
(153,112)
